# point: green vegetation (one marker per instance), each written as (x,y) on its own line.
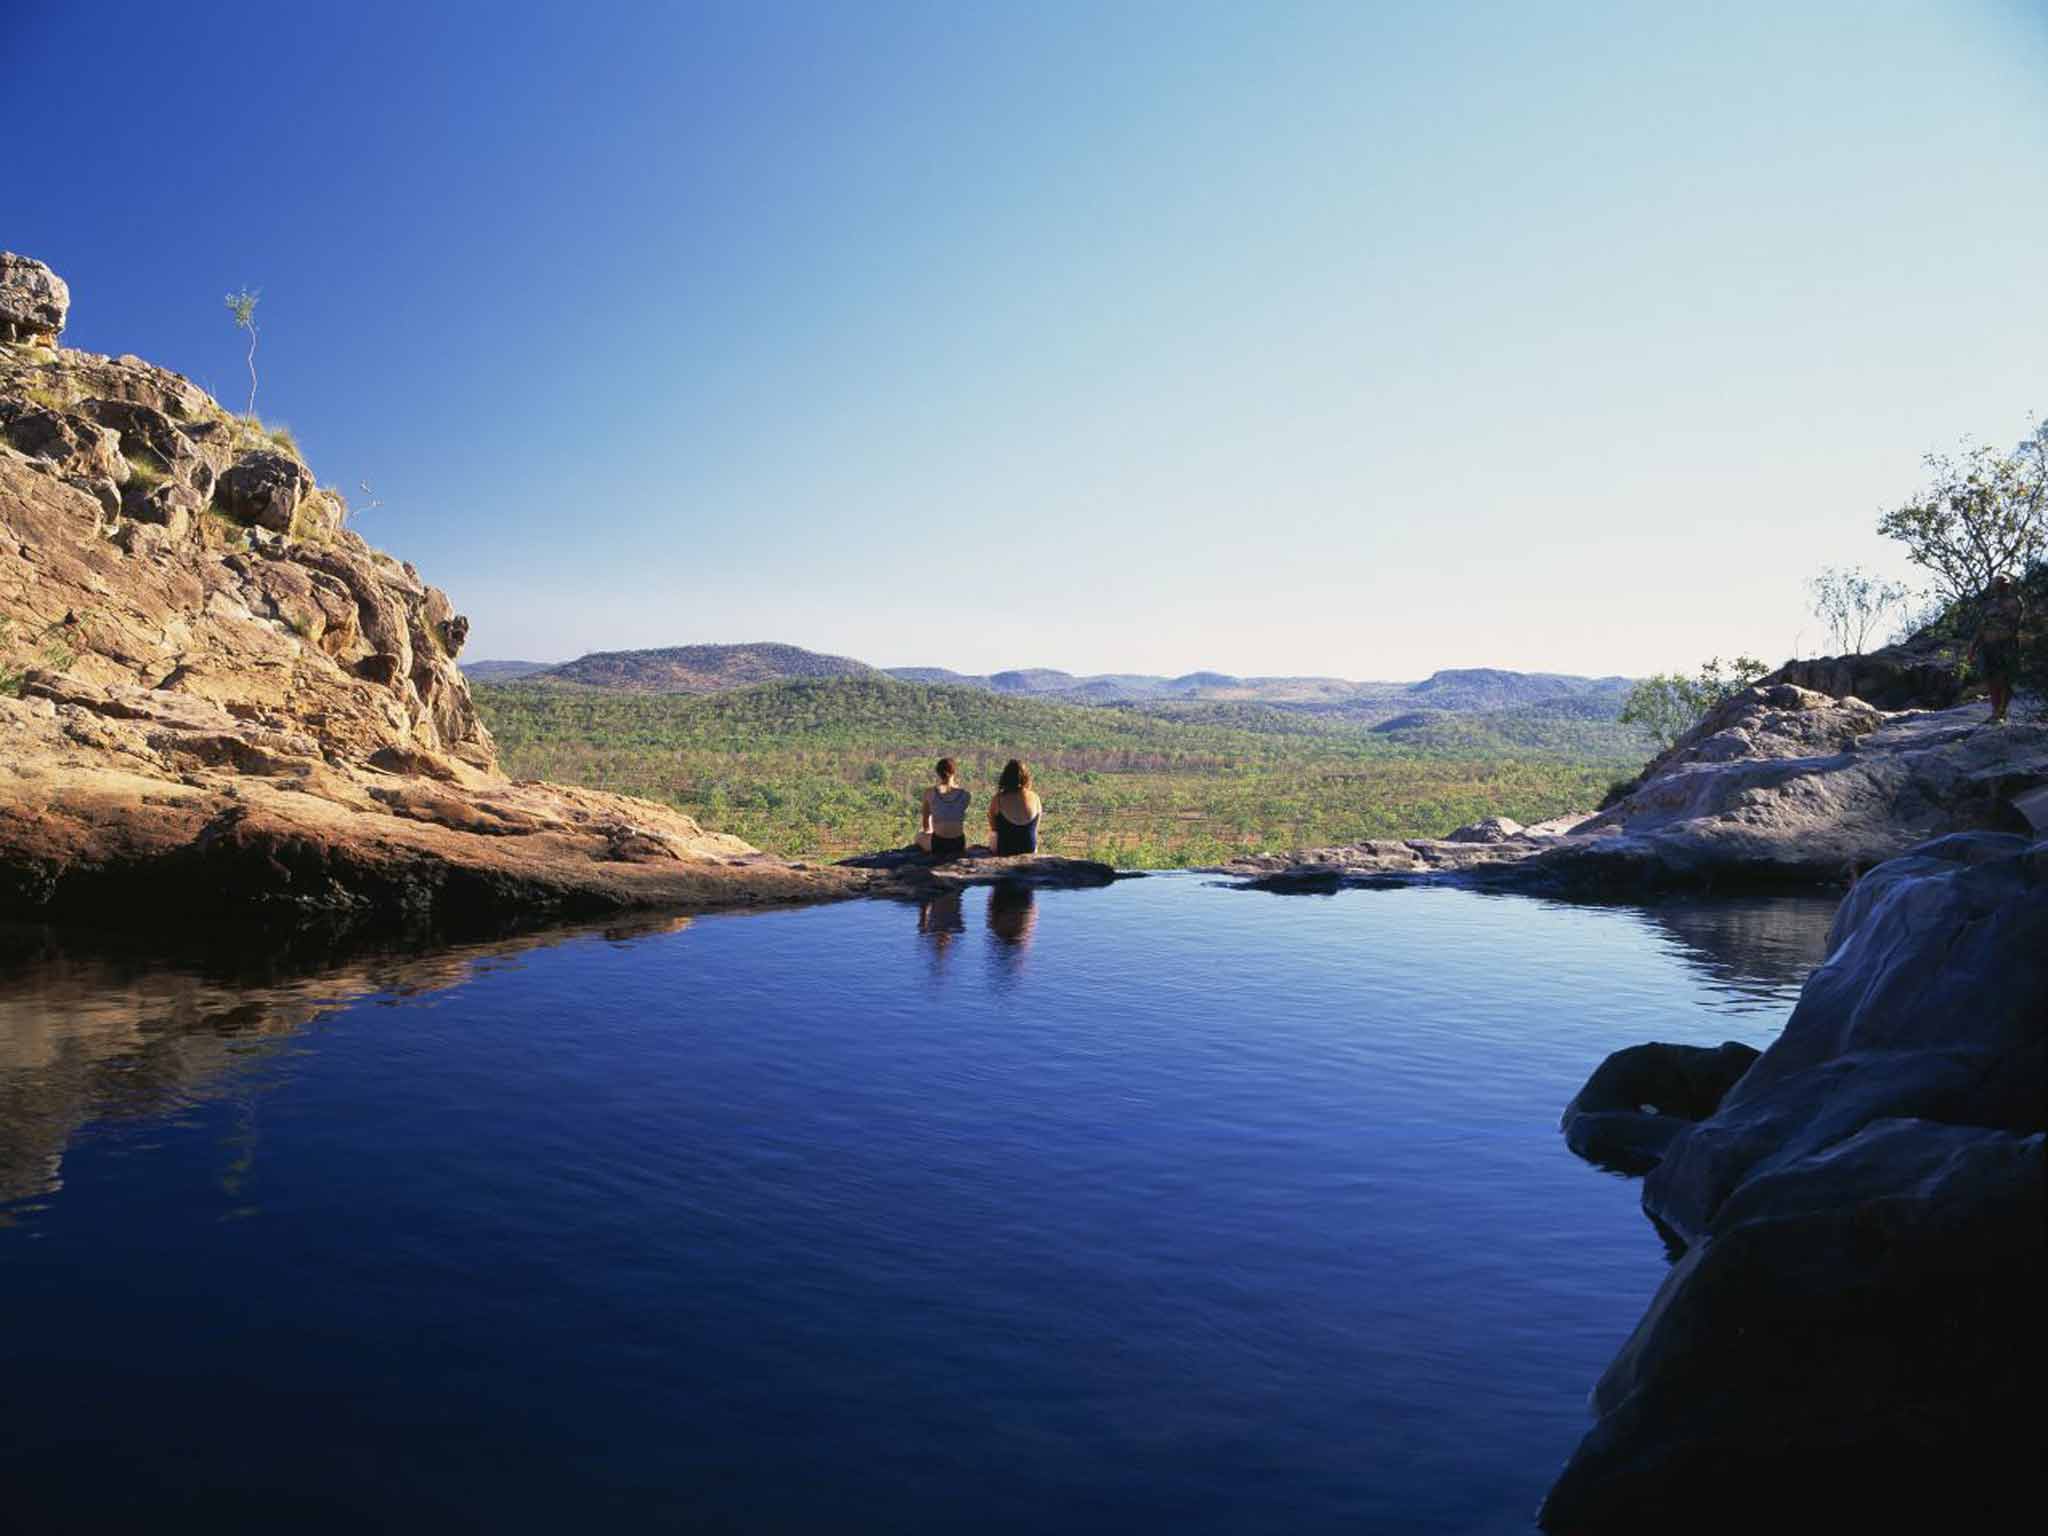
(1669,704)
(46,652)
(824,768)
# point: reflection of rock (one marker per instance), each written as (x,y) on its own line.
(88,1030)
(1748,943)
(1856,1323)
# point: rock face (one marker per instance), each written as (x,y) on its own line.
(33,301)
(1779,785)
(1855,1324)
(217,699)
(1921,673)
(1632,1108)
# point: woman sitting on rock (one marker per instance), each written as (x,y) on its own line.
(942,828)
(1013,813)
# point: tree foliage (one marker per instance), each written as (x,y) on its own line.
(1982,514)
(1669,704)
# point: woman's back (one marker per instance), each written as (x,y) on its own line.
(1014,817)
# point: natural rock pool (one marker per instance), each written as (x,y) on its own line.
(1157,1207)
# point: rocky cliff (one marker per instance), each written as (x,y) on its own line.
(217,699)
(1852,1337)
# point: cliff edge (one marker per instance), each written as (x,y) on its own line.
(216,699)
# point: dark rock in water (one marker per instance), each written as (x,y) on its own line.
(1933,1003)
(1639,1098)
(1854,1337)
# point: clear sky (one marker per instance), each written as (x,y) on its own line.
(1358,339)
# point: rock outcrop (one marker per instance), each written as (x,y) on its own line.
(1779,785)
(1925,672)
(216,699)
(1853,1336)
(34,302)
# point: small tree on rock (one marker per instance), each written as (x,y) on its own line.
(242,305)
(1854,605)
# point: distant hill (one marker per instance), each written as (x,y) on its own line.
(502,671)
(689,668)
(696,669)
(1489,688)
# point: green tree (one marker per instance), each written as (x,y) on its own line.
(242,305)
(1854,605)
(1669,704)
(1982,514)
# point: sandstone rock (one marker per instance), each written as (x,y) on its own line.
(34,301)
(1924,672)
(1855,1323)
(266,722)
(1779,786)
(264,488)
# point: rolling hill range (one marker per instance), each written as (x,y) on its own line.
(700,669)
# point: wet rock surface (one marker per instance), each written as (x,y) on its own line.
(1855,1320)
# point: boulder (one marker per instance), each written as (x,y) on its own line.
(34,301)
(1491,829)
(264,488)
(1853,1338)
(1641,1097)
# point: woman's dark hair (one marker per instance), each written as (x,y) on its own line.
(947,769)
(1016,777)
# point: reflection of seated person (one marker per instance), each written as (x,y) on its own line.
(1012,913)
(1013,813)
(941,917)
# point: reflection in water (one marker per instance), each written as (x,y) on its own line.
(941,919)
(1012,915)
(1752,945)
(92,1028)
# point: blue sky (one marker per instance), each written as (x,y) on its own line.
(1350,339)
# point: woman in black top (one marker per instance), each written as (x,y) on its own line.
(1013,813)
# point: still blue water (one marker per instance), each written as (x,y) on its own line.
(1157,1207)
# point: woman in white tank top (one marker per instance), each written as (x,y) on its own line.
(942,826)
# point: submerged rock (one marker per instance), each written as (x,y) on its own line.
(1855,1325)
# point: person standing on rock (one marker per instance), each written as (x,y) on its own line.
(1997,646)
(942,827)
